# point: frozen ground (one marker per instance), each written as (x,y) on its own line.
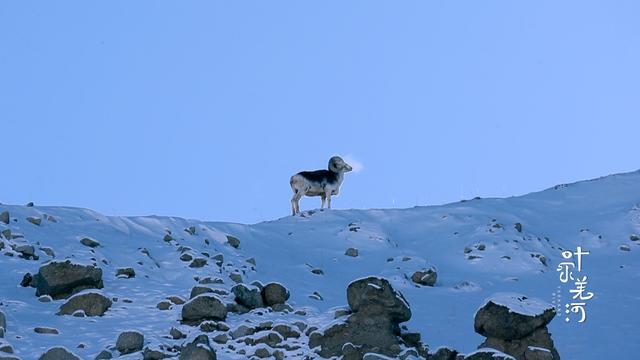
(599,215)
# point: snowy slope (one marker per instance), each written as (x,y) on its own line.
(599,215)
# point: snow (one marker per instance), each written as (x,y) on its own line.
(519,303)
(599,215)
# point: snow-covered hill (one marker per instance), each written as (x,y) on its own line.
(478,247)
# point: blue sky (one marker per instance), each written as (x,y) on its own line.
(204,109)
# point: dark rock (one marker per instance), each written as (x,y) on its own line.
(248,296)
(91,303)
(199,349)
(34,220)
(233,241)
(45,330)
(197,290)
(4,217)
(177,334)
(444,353)
(164,305)
(3,320)
(374,294)
(198,263)
(204,307)
(518,227)
(317,271)
(27,280)
(425,277)
(235,277)
(488,354)
(154,354)
(176,299)
(275,293)
(58,353)
(129,342)
(521,349)
(286,331)
(61,279)
(353,252)
(89,242)
(104,355)
(512,316)
(126,273)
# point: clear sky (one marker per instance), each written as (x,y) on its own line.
(204,109)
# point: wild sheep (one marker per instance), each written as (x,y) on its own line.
(323,183)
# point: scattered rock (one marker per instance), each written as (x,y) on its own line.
(198,263)
(481,247)
(46,330)
(34,220)
(176,299)
(275,293)
(197,290)
(104,355)
(353,252)
(262,353)
(235,277)
(248,296)
(129,342)
(58,353)
(426,277)
(126,273)
(4,217)
(167,238)
(488,354)
(233,241)
(242,331)
(61,279)
(518,227)
(317,271)
(177,334)
(3,321)
(26,251)
(164,305)
(271,338)
(625,247)
(150,353)
(634,237)
(286,331)
(204,307)
(91,303)
(191,230)
(199,349)
(252,261)
(29,204)
(444,353)
(89,242)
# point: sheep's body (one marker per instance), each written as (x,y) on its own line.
(323,183)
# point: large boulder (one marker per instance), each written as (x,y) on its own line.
(275,293)
(511,316)
(60,279)
(204,307)
(129,342)
(248,296)
(373,327)
(517,325)
(92,303)
(58,353)
(374,295)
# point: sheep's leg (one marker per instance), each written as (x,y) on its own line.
(324,198)
(328,196)
(295,205)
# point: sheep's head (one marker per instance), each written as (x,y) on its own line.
(336,164)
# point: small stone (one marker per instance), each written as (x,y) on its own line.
(191,230)
(126,273)
(46,330)
(29,204)
(481,247)
(176,299)
(48,251)
(167,238)
(177,334)
(286,331)
(467,250)
(34,220)
(164,305)
(186,257)
(198,263)
(625,247)
(242,331)
(353,252)
(235,277)
(104,355)
(129,342)
(262,353)
(58,353)
(233,241)
(248,295)
(27,251)
(252,261)
(89,242)
(221,338)
(518,227)
(426,277)
(634,237)
(4,217)
(317,271)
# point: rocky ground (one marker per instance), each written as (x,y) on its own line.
(470,280)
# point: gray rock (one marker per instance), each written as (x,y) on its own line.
(271,338)
(353,252)
(204,307)
(488,354)
(58,353)
(537,345)
(262,353)
(154,354)
(248,296)
(199,349)
(625,247)
(286,331)
(374,294)
(91,303)
(233,241)
(634,237)
(61,279)
(444,353)
(275,293)
(164,305)
(198,263)
(518,227)
(4,217)
(104,355)
(197,290)
(34,220)
(177,334)
(45,330)
(89,242)
(242,331)
(235,277)
(3,320)
(126,273)
(129,342)
(510,316)
(26,250)
(426,277)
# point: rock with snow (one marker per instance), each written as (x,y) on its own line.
(204,307)
(375,295)
(129,342)
(198,349)
(92,303)
(104,355)
(425,277)
(353,252)
(126,273)
(513,323)
(444,353)
(4,217)
(248,296)
(3,321)
(275,293)
(34,220)
(58,353)
(60,279)
(233,241)
(45,330)
(89,242)
(488,354)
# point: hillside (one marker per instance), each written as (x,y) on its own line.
(478,248)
